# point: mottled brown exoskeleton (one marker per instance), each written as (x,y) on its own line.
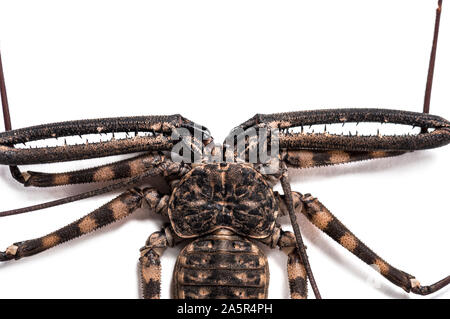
(221,205)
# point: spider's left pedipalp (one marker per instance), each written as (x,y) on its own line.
(437,130)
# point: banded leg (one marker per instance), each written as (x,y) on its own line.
(164,168)
(118,208)
(150,262)
(298,281)
(322,218)
(316,158)
(118,170)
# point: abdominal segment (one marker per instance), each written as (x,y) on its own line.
(221,266)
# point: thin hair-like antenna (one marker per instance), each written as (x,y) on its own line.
(126,183)
(298,236)
(15,171)
(5,107)
(429,86)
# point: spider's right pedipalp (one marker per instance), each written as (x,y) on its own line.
(162,129)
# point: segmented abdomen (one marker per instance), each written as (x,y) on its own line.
(221,266)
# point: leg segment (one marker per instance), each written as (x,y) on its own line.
(150,262)
(298,281)
(322,218)
(104,173)
(118,208)
(316,158)
(118,170)
(298,237)
(164,168)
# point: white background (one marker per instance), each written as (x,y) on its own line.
(218,63)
